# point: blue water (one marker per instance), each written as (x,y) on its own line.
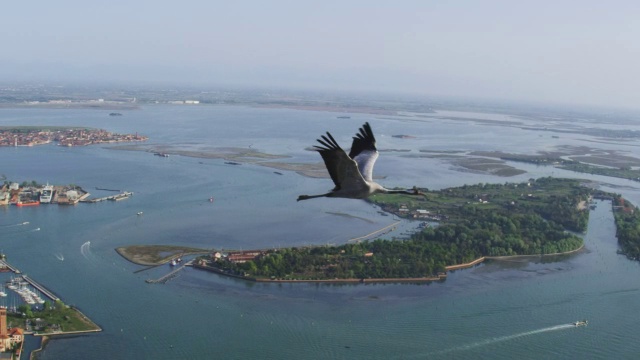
(497,310)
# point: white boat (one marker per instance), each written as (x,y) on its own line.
(46,194)
(581,323)
(2,292)
(12,284)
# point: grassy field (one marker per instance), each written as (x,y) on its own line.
(151,255)
(67,318)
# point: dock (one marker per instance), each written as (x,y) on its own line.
(4,263)
(168,276)
(41,288)
(117,197)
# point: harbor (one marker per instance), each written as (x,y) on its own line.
(20,282)
(40,288)
(35,309)
(34,195)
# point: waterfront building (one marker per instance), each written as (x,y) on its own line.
(8,337)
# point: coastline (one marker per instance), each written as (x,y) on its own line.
(43,343)
(513,257)
(439,277)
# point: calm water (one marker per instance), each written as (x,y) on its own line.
(496,310)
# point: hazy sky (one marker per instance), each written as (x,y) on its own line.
(583,52)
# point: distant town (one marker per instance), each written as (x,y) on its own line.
(32,136)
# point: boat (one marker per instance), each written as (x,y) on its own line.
(173,263)
(12,284)
(47,194)
(140,213)
(28,203)
(211,199)
(581,323)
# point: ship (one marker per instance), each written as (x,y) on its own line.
(581,323)
(46,195)
(28,203)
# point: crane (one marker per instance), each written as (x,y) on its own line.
(352,174)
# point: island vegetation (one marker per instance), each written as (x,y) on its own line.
(627,228)
(474,221)
(52,318)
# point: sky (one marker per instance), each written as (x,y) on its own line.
(563,52)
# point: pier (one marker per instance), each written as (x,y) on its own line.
(4,263)
(121,196)
(168,276)
(41,288)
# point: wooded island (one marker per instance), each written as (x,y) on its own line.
(533,218)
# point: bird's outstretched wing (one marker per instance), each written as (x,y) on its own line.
(364,152)
(342,169)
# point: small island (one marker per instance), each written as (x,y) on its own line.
(475,223)
(459,227)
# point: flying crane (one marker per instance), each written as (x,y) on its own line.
(353,174)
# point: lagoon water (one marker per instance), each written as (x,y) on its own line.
(494,311)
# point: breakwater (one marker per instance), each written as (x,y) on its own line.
(117,197)
(41,288)
(4,263)
(168,276)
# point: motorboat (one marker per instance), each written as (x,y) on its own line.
(46,195)
(581,323)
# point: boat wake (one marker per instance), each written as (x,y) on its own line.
(19,224)
(85,250)
(59,256)
(505,338)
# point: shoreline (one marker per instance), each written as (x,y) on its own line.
(439,277)
(43,343)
